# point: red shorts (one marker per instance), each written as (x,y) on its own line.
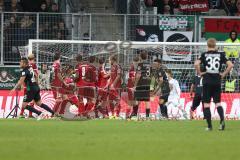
(102,94)
(114,94)
(87,91)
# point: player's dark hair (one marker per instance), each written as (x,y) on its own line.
(91,59)
(79,58)
(25,60)
(56,56)
(143,55)
(158,60)
(113,57)
(232,31)
(101,61)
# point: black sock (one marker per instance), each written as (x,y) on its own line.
(147,112)
(33,110)
(44,106)
(221,114)
(162,109)
(135,110)
(165,111)
(207,115)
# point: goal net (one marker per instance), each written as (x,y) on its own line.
(176,56)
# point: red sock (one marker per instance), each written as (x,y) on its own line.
(22,111)
(81,108)
(32,105)
(117,110)
(56,106)
(63,106)
(30,114)
(111,108)
(89,106)
(128,111)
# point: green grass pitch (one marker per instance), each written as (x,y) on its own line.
(117,140)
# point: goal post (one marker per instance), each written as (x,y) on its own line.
(170,52)
(177,56)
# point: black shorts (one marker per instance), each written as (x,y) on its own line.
(211,91)
(32,95)
(196,101)
(142,93)
(164,97)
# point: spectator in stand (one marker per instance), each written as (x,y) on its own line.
(231,84)
(1,6)
(43,7)
(215,4)
(26,30)
(10,41)
(166,10)
(164,5)
(59,36)
(54,8)
(62,28)
(229,6)
(86,47)
(44,77)
(55,18)
(232,52)
(14,6)
(238,8)
(48,4)
(31,5)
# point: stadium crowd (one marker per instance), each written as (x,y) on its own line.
(229,7)
(20,27)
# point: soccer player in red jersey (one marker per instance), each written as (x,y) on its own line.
(56,81)
(130,86)
(103,77)
(32,64)
(90,82)
(114,87)
(69,89)
(79,83)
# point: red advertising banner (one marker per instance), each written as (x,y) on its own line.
(221,25)
(230,103)
(193,5)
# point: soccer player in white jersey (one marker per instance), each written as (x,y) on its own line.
(173,104)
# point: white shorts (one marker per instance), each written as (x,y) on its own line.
(173,102)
